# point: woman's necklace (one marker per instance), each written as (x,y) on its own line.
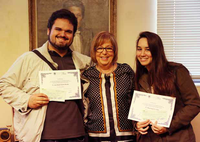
(107,71)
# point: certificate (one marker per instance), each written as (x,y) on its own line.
(153,107)
(60,85)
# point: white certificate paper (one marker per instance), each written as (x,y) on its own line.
(153,107)
(60,85)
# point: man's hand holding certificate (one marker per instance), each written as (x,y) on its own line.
(153,107)
(60,85)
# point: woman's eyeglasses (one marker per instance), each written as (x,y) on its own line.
(101,49)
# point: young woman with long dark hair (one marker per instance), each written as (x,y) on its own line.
(155,74)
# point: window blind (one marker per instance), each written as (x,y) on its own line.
(178,24)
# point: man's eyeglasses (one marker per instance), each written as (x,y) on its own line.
(101,49)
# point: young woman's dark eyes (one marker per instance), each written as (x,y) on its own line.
(139,49)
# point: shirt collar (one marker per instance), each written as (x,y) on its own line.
(54,53)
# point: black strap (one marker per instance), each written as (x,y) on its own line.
(44,59)
(78,102)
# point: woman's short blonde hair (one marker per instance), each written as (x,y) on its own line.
(101,38)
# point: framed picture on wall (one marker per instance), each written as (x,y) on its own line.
(93,16)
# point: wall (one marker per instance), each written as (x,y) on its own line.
(133,16)
(14,40)
(196,123)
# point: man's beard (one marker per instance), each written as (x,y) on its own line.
(59,47)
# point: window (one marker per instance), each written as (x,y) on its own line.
(178,24)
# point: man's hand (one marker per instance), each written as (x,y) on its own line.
(38,100)
(158,129)
(142,126)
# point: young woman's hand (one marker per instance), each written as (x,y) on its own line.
(143,126)
(158,129)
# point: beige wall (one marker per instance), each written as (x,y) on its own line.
(133,16)
(14,41)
